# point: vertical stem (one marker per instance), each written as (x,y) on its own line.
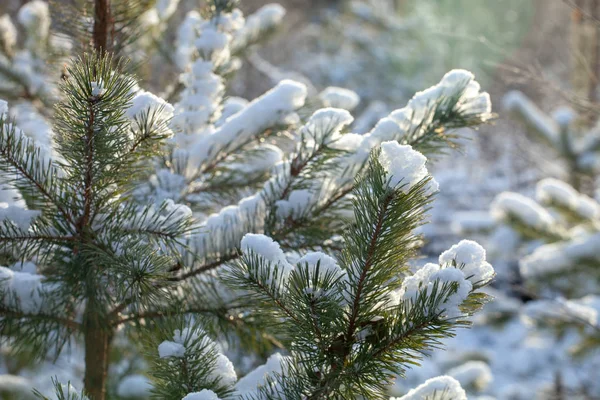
(97,334)
(102,22)
(97,339)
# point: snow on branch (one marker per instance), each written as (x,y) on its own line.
(191,362)
(438,388)
(558,257)
(553,192)
(262,21)
(535,118)
(510,206)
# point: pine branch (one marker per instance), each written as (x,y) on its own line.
(21,158)
(205,267)
(373,242)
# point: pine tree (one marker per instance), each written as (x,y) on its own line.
(559,268)
(112,241)
(556,232)
(576,147)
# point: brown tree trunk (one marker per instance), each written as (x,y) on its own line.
(102,25)
(97,339)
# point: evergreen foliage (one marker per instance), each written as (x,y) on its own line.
(556,238)
(123,234)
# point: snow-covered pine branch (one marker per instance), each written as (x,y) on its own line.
(439,388)
(307,193)
(578,147)
(351,322)
(560,233)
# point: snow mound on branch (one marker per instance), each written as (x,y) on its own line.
(35,16)
(557,257)
(516,101)
(509,204)
(580,311)
(8,36)
(269,250)
(259,376)
(564,116)
(469,257)
(325,125)
(438,388)
(263,246)
(339,98)
(16,385)
(472,373)
(297,203)
(264,19)
(144,101)
(260,114)
(224,371)
(171,349)
(166,8)
(204,394)
(196,340)
(432,276)
(456,83)
(471,267)
(405,167)
(553,191)
(327,265)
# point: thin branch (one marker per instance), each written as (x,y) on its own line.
(160,314)
(367,267)
(63,321)
(39,237)
(43,191)
(277,302)
(204,268)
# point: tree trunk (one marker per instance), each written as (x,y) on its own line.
(97,344)
(102,25)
